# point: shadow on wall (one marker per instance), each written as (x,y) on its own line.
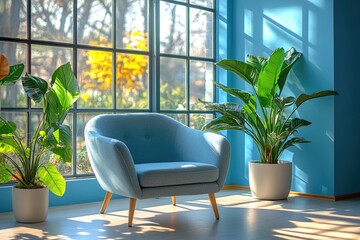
(259,28)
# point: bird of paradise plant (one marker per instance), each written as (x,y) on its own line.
(265,115)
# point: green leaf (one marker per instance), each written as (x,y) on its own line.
(51,177)
(267,83)
(60,135)
(257,62)
(63,93)
(7,127)
(229,109)
(297,123)
(282,102)
(305,97)
(55,114)
(246,97)
(291,57)
(243,70)
(59,140)
(293,141)
(64,153)
(8,145)
(64,77)
(223,123)
(14,75)
(7,133)
(5,175)
(34,87)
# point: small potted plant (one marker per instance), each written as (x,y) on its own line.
(265,116)
(27,161)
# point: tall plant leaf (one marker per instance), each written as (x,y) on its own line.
(63,93)
(14,75)
(293,141)
(282,102)
(55,114)
(295,124)
(305,97)
(291,57)
(228,109)
(7,127)
(51,177)
(63,76)
(34,87)
(223,123)
(268,77)
(5,175)
(7,132)
(8,145)
(257,62)
(61,138)
(63,152)
(59,135)
(246,97)
(241,69)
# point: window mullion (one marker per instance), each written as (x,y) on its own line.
(187,94)
(154,63)
(75,70)
(114,58)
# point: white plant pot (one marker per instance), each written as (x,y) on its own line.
(270,181)
(30,205)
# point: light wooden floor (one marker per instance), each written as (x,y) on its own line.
(241,217)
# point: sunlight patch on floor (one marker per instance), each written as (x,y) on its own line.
(28,233)
(320,228)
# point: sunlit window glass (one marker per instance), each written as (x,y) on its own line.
(52,20)
(173,84)
(95,79)
(132,25)
(201,85)
(132,81)
(173,30)
(201,33)
(13,18)
(94,25)
(13,96)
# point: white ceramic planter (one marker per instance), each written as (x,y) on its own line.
(270,181)
(30,205)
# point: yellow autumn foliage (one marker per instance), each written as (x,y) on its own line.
(129,67)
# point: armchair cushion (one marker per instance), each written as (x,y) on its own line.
(175,173)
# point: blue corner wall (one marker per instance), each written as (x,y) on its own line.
(347,107)
(258,28)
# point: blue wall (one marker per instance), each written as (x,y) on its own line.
(261,26)
(347,107)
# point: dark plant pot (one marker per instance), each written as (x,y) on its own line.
(270,181)
(30,205)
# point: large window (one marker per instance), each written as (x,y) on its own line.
(128,56)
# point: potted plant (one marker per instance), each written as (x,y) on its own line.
(265,116)
(26,160)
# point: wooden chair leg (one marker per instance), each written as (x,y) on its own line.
(131,211)
(173,200)
(106,201)
(214,205)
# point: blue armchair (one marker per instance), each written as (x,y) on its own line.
(150,155)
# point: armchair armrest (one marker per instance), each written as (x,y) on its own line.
(205,147)
(120,178)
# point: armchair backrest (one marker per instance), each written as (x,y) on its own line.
(149,136)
